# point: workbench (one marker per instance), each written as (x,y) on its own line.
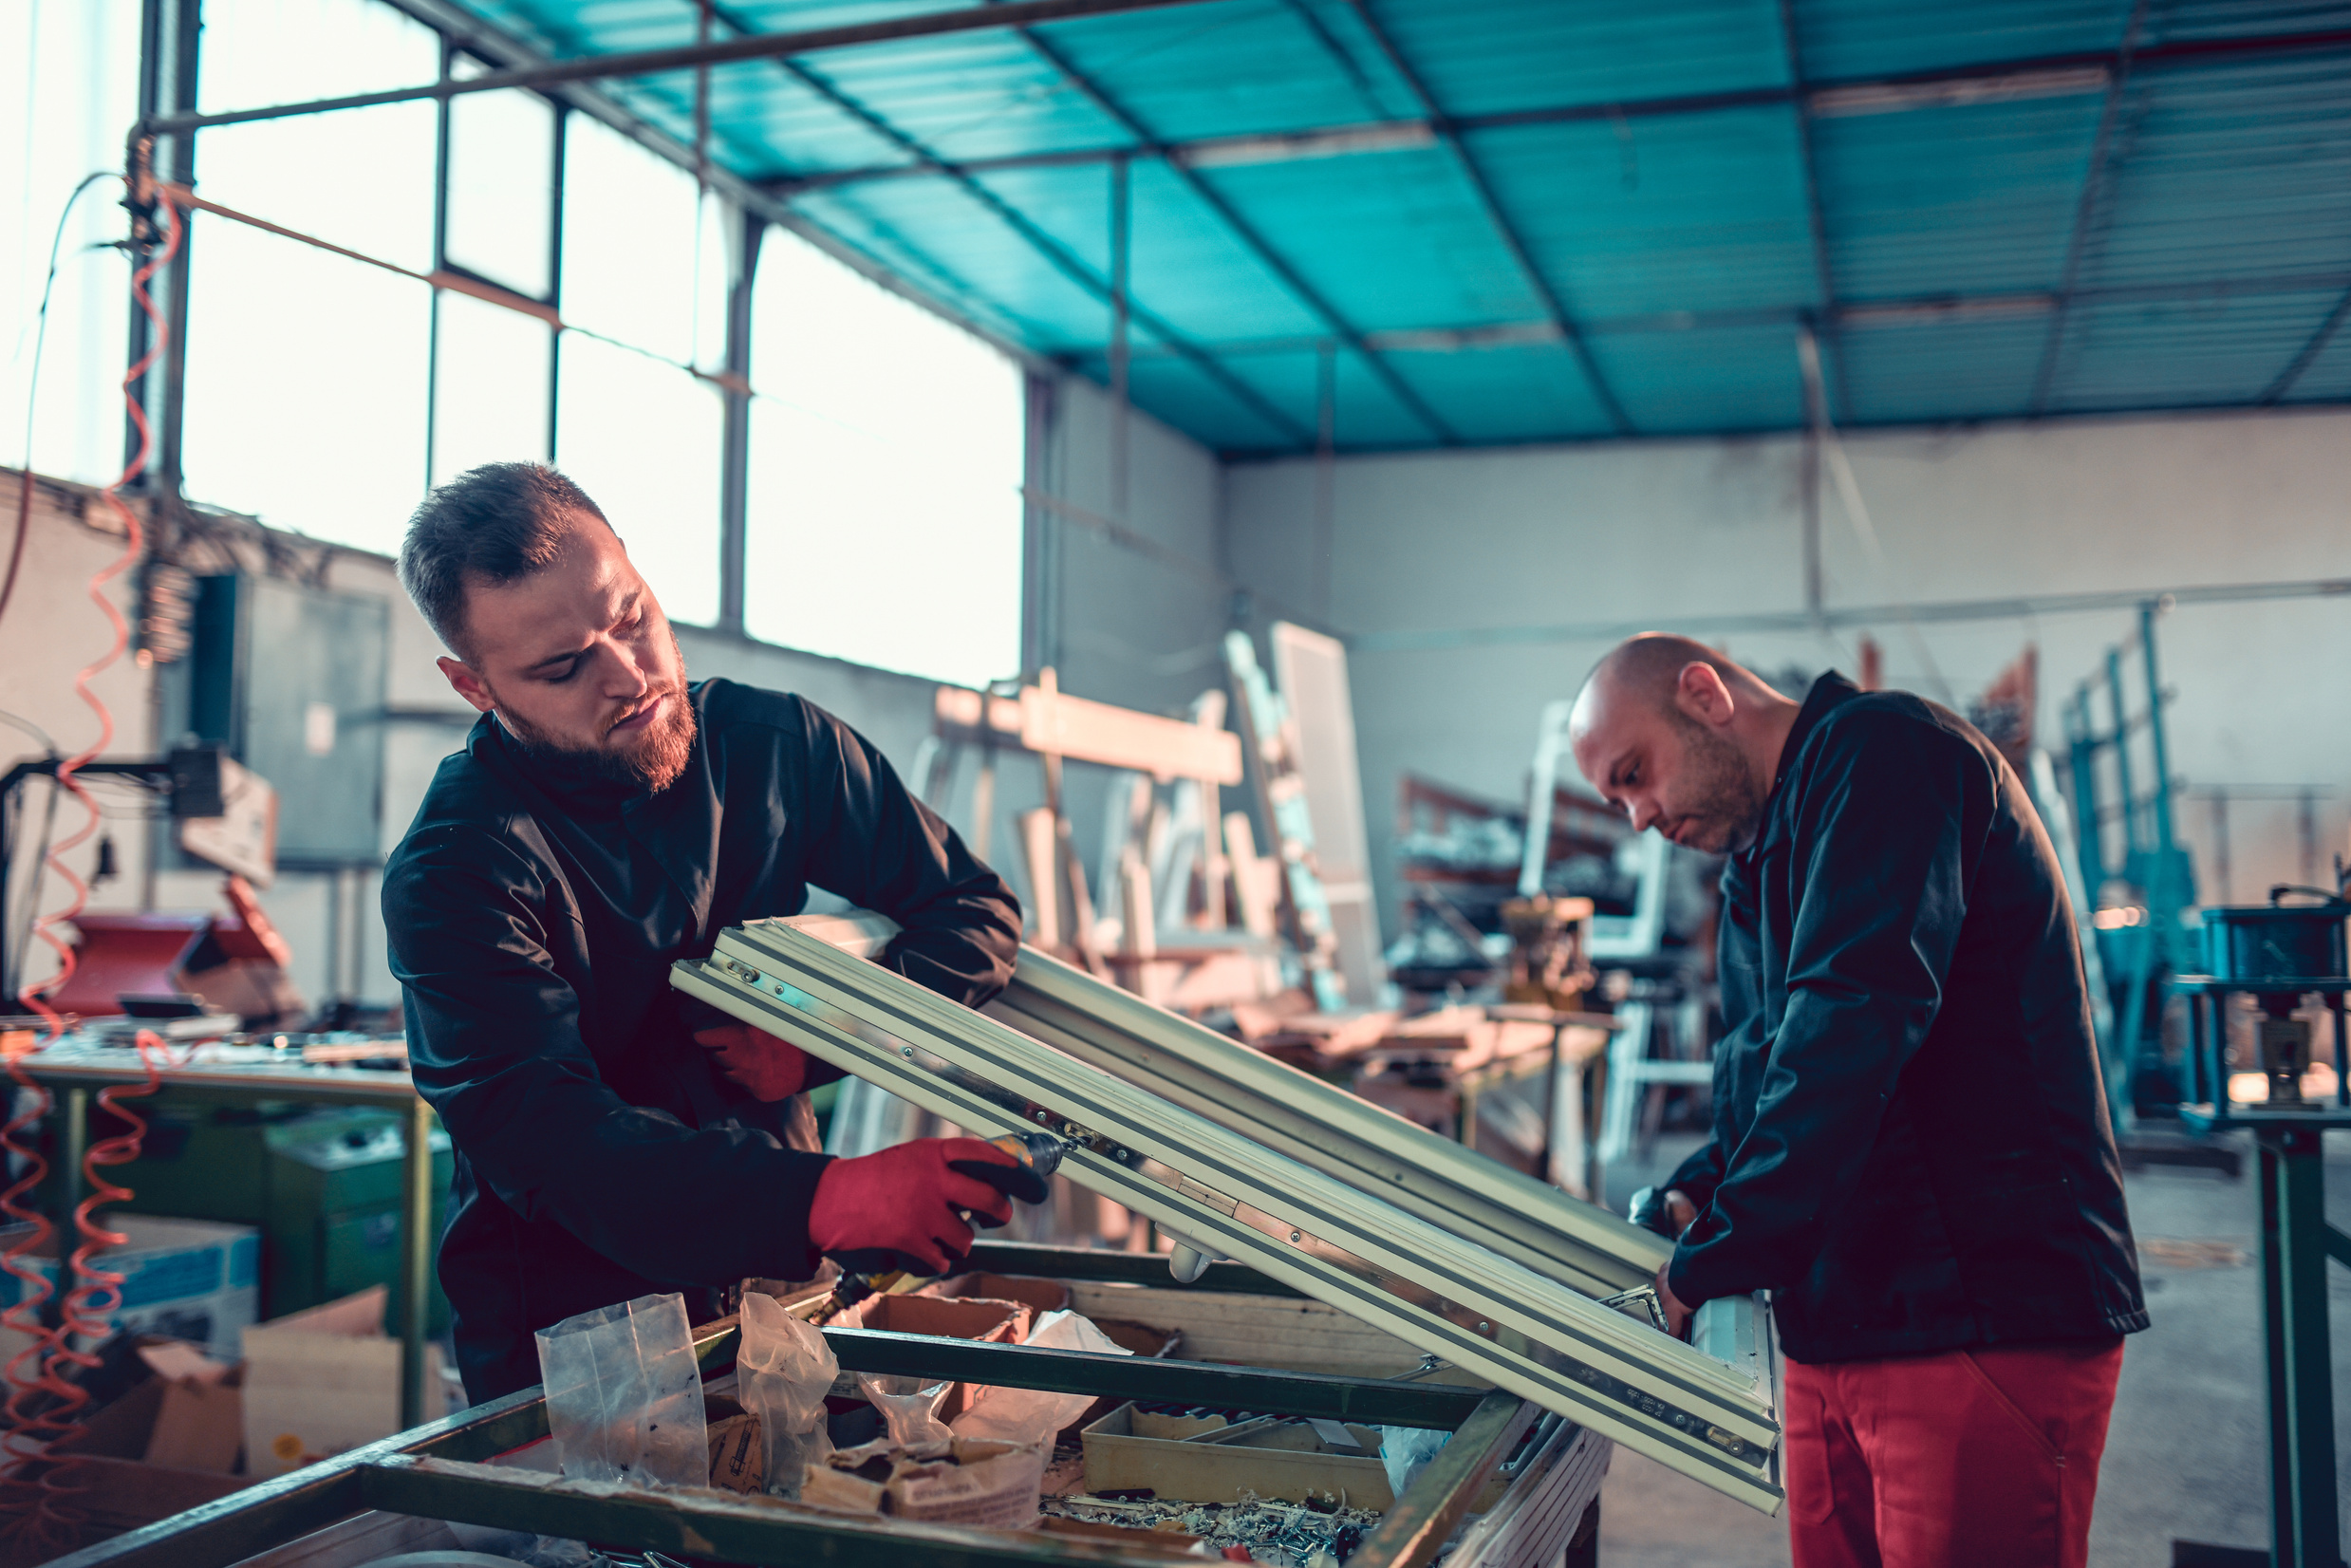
(448,1470)
(74,1072)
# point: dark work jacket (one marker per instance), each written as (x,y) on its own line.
(533,918)
(1911,1146)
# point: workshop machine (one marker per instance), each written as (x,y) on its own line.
(2287,956)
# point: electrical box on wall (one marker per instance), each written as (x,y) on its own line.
(290,680)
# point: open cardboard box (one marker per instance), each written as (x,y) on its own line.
(168,1444)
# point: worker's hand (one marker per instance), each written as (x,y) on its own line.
(1668,1213)
(771,1069)
(1677,1315)
(911,1207)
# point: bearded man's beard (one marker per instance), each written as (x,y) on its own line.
(1725,805)
(652,765)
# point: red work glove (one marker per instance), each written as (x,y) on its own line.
(905,1207)
(770,1068)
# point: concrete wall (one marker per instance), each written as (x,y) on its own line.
(1693,534)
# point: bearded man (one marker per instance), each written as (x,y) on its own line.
(614,1139)
(1911,1147)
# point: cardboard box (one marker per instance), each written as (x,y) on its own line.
(122,1475)
(1035,1297)
(945,1318)
(194,1279)
(321,1381)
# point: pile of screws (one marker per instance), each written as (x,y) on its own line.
(1281,1534)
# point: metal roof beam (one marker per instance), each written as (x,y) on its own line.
(1990,82)
(2308,354)
(2094,184)
(1803,104)
(1874,315)
(1554,307)
(756,46)
(1247,233)
(1054,254)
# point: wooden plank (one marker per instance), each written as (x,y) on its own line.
(1423,1518)
(1086,731)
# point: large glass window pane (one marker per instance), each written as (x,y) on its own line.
(68,86)
(628,242)
(643,439)
(490,387)
(360,177)
(306,387)
(501,177)
(885,461)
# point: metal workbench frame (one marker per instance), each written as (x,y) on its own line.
(1334,1200)
(441,1470)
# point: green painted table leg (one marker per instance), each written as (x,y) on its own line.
(2308,1532)
(416,1269)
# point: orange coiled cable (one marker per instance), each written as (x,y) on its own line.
(41,1411)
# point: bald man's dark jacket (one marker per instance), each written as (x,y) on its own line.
(532,917)
(1910,1145)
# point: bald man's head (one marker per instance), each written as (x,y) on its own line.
(1681,739)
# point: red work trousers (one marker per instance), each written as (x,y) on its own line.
(1973,1459)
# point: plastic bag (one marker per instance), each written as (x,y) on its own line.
(782,1373)
(1405,1452)
(1032,1415)
(625,1395)
(910,1409)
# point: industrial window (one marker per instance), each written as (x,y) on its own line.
(501,186)
(306,371)
(644,276)
(490,375)
(69,85)
(885,486)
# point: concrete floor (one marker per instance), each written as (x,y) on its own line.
(2186,1455)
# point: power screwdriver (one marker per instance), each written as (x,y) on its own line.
(1036,1156)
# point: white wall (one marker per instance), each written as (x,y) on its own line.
(1691,535)
(1131,627)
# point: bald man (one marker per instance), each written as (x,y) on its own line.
(1911,1146)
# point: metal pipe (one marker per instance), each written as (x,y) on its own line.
(1122,229)
(2160,753)
(1856,615)
(1814,217)
(1012,13)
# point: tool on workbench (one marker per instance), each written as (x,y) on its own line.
(1036,1156)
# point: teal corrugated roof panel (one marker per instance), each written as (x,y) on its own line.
(944,241)
(1503,55)
(1728,378)
(1535,392)
(1239,66)
(1940,369)
(969,95)
(1860,38)
(2190,353)
(1691,212)
(1975,200)
(1652,163)
(1186,265)
(1365,411)
(1401,241)
(2229,171)
(1185,397)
